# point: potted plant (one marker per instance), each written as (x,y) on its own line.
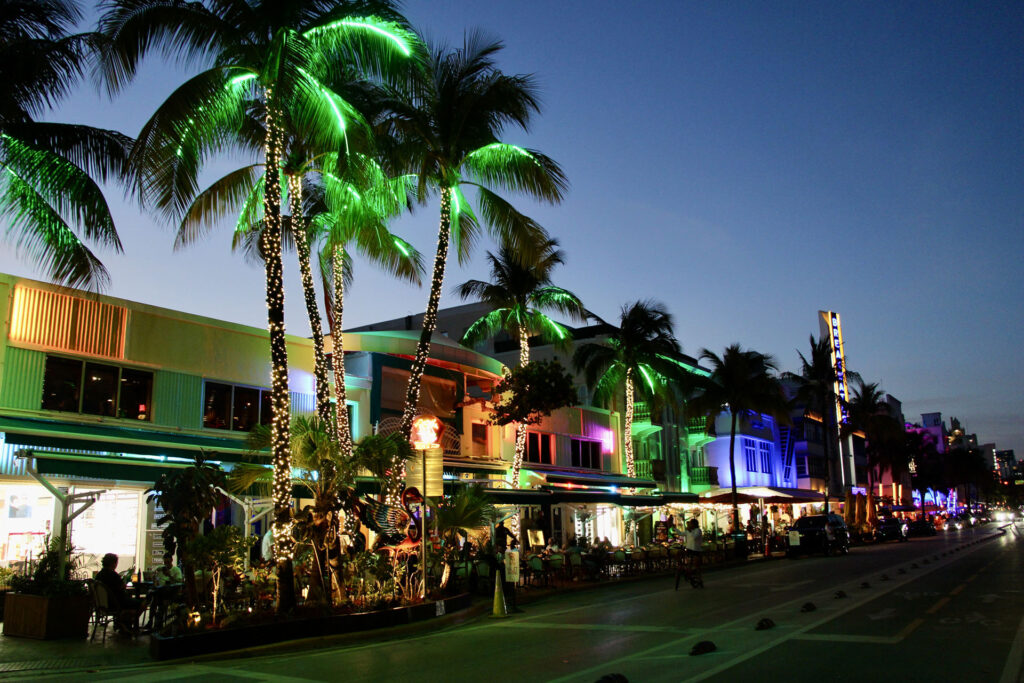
(48,603)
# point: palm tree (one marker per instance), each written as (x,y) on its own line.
(446,125)
(519,292)
(359,199)
(322,470)
(49,194)
(815,390)
(382,454)
(469,508)
(281,54)
(742,381)
(335,200)
(641,354)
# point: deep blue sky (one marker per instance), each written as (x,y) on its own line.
(746,164)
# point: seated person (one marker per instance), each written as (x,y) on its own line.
(552,546)
(126,608)
(167,583)
(168,573)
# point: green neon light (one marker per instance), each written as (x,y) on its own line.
(348,23)
(555,326)
(456,209)
(353,193)
(504,147)
(241,79)
(643,371)
(401,247)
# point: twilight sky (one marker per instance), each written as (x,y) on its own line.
(746,164)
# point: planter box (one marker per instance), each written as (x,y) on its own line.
(35,616)
(173,647)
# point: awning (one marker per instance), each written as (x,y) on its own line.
(595,479)
(103,467)
(769,494)
(520,496)
(54,434)
(679,497)
(476,467)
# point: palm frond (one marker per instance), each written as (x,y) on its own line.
(235,194)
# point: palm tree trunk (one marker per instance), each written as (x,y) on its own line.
(342,427)
(732,475)
(628,431)
(323,390)
(280,399)
(517,461)
(412,394)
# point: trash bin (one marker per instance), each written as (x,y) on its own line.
(739,540)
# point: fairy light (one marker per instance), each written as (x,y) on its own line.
(419,363)
(343,429)
(322,386)
(628,436)
(284,547)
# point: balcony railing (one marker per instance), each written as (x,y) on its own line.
(703,476)
(643,469)
(641,412)
(697,424)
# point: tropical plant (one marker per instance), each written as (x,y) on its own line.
(445,125)
(469,508)
(518,294)
(329,476)
(49,194)
(382,455)
(869,412)
(53,574)
(530,392)
(284,56)
(186,496)
(742,382)
(641,354)
(222,549)
(815,391)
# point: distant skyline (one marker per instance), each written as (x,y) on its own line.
(747,164)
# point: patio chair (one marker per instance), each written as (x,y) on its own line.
(556,563)
(537,571)
(575,565)
(101,610)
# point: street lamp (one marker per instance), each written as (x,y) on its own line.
(425,440)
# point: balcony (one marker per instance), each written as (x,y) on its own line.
(644,470)
(703,476)
(641,412)
(697,425)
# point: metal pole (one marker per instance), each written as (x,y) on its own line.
(423,524)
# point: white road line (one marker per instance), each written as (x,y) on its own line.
(1013,671)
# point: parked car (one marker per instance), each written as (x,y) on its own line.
(921,527)
(818,534)
(890,529)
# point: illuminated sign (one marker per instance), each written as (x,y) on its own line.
(424,432)
(831,326)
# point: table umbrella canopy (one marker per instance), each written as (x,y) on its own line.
(768,494)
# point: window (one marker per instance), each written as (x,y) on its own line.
(479,433)
(239,409)
(765,449)
(75,386)
(586,454)
(801,466)
(750,452)
(539,448)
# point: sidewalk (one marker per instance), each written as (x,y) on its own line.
(21,655)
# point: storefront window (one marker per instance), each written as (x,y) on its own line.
(62,380)
(136,393)
(226,406)
(246,409)
(26,513)
(99,390)
(96,389)
(110,525)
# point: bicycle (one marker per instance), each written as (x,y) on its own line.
(689,565)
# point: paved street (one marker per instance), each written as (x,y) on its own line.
(958,617)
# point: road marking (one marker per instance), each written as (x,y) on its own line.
(846,638)
(887,613)
(958,589)
(597,627)
(908,629)
(1015,660)
(938,605)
